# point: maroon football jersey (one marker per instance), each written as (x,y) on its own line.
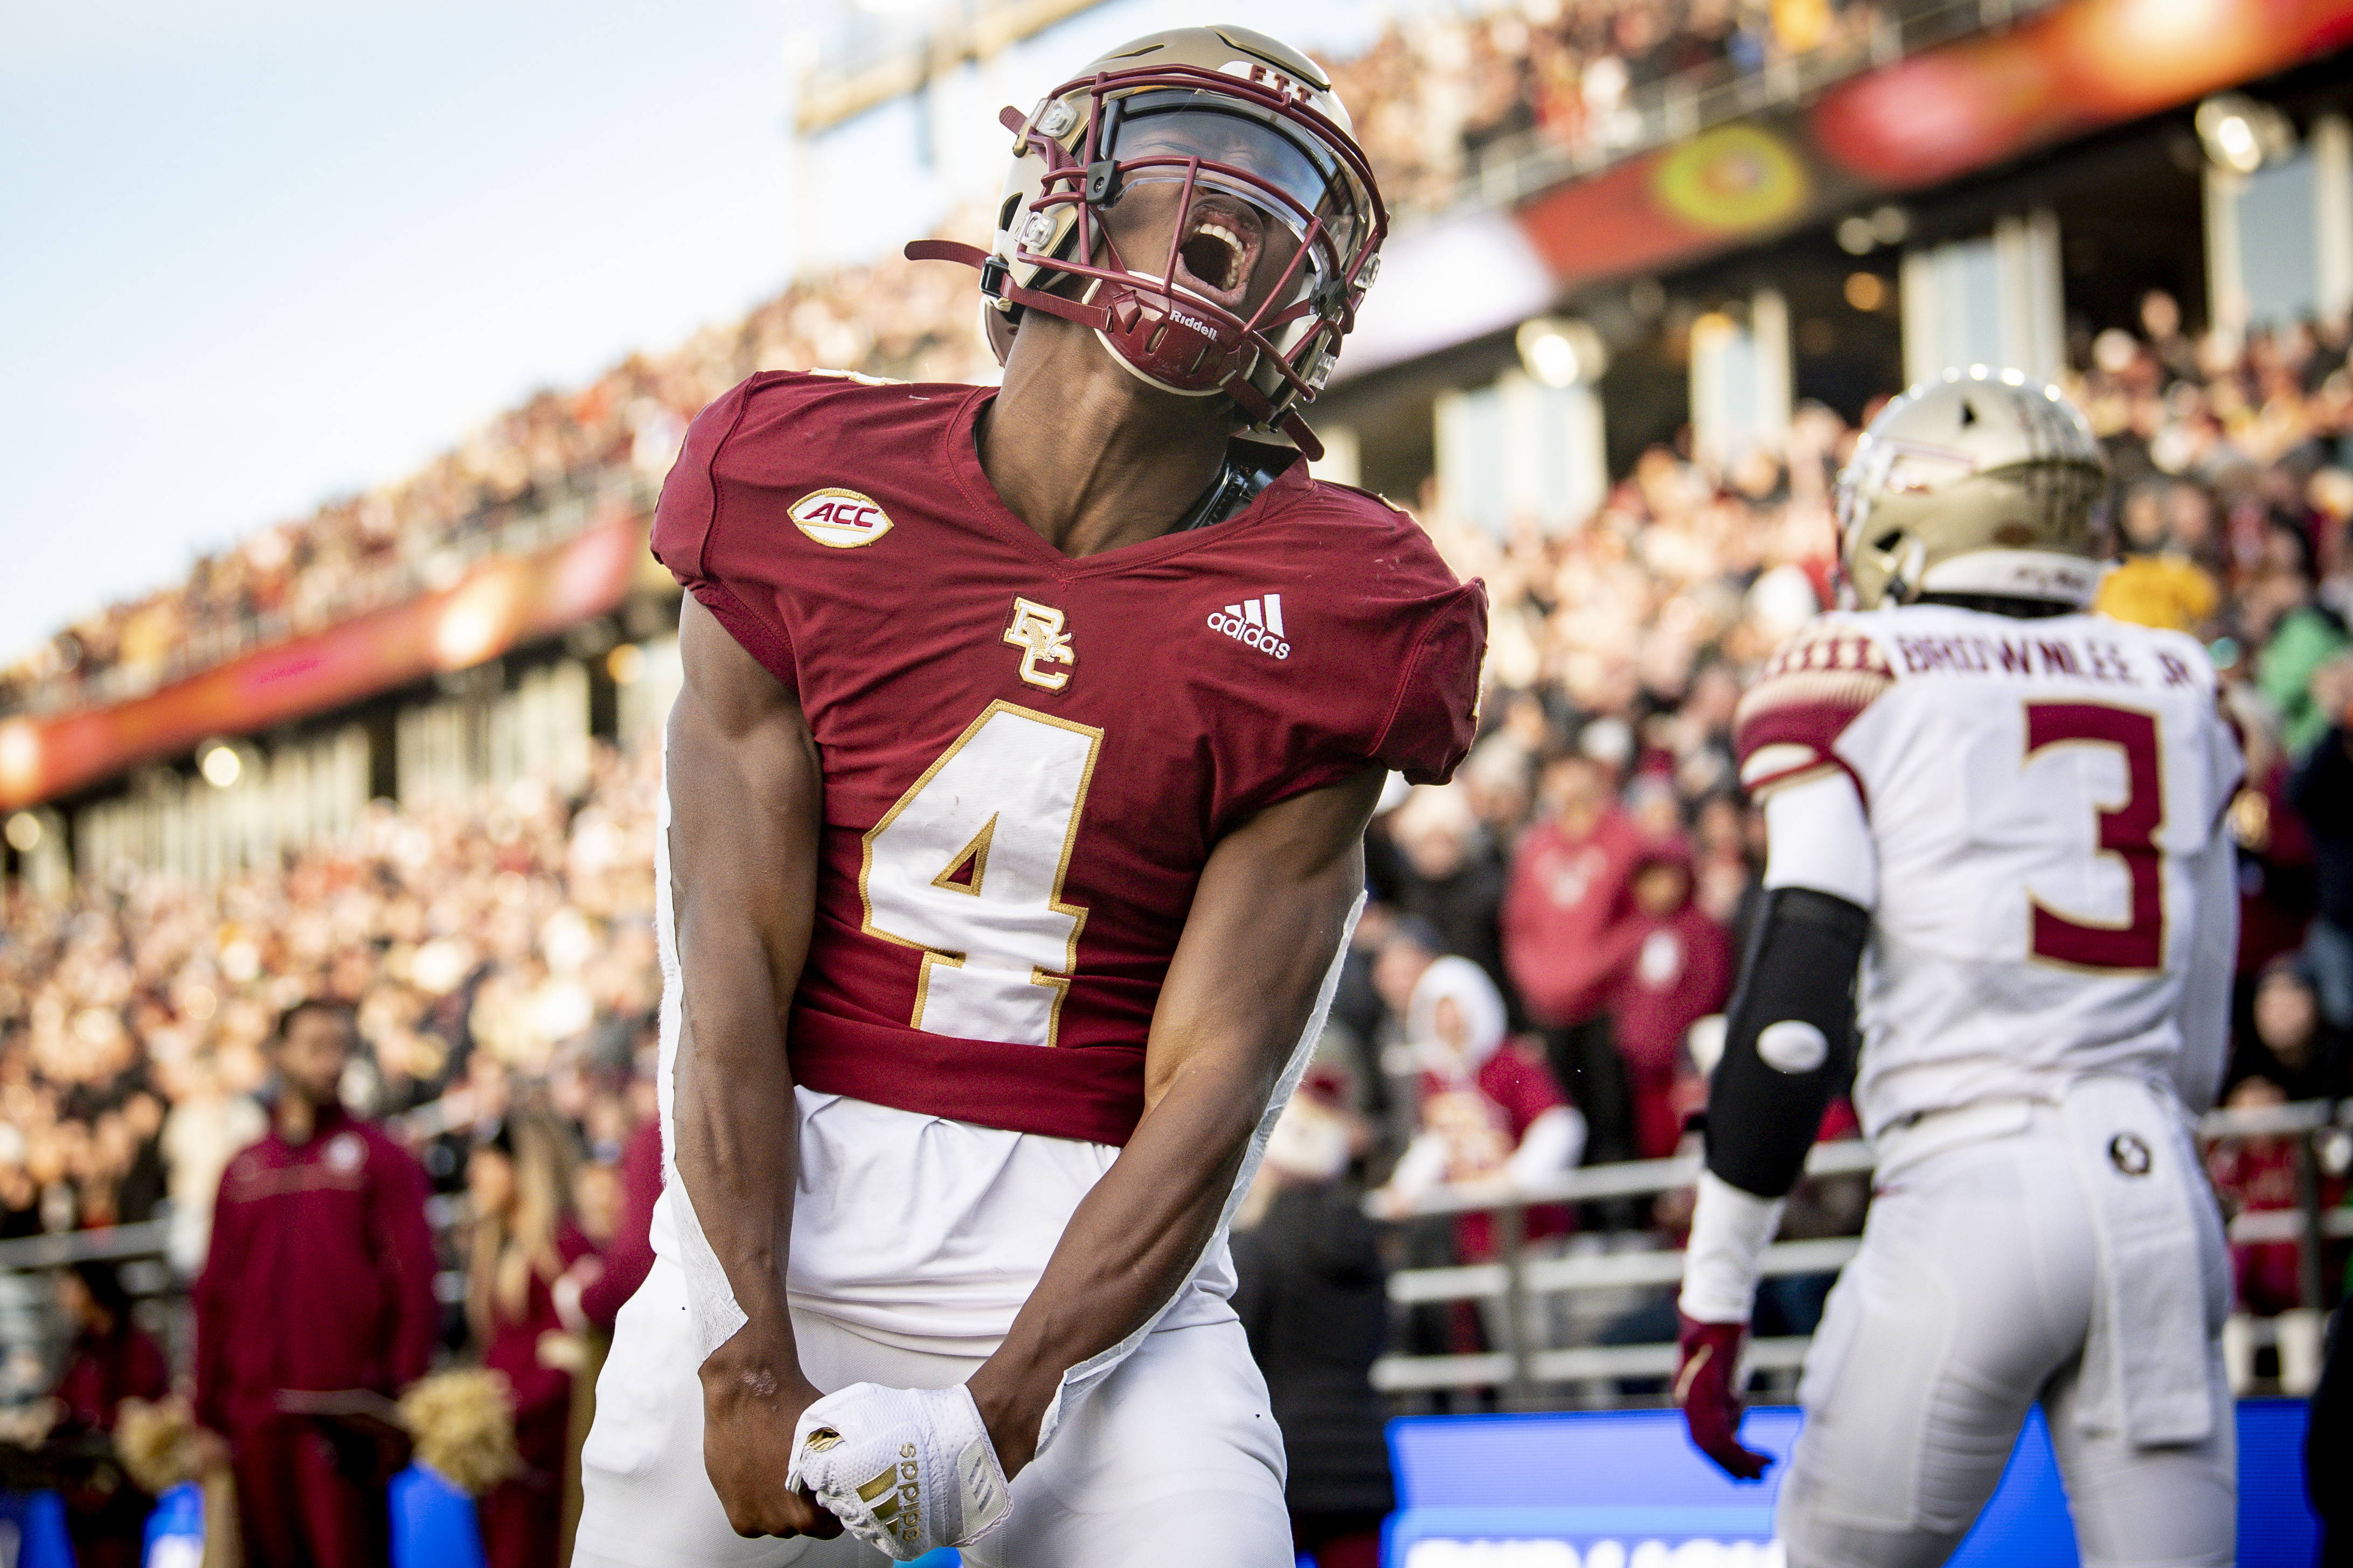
(1028,758)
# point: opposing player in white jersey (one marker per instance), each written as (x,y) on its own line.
(2006,811)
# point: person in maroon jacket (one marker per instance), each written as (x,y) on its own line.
(1564,940)
(1678,971)
(319,1281)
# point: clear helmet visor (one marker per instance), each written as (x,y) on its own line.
(1163,130)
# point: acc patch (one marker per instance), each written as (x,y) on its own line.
(346,1152)
(2129,1154)
(841,520)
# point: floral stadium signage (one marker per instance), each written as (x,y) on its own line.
(2071,70)
(504,602)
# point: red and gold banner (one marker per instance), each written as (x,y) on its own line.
(2073,69)
(502,602)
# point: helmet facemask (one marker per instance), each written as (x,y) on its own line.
(1247,174)
(1271,221)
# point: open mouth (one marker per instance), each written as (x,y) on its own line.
(1221,241)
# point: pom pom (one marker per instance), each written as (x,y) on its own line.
(463,1424)
(158,1443)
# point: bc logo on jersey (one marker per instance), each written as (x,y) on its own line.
(1036,631)
(841,520)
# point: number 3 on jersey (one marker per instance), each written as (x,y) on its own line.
(969,865)
(2128,830)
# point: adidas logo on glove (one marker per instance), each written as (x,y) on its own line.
(902,1513)
(872,1456)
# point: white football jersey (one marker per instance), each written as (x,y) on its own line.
(2040,798)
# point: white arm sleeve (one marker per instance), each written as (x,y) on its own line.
(2203,1013)
(1730,1231)
(1820,838)
(1550,1145)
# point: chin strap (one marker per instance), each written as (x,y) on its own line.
(996,283)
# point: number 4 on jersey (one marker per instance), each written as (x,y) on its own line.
(969,865)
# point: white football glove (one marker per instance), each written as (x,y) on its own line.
(906,1470)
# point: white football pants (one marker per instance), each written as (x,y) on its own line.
(1969,1302)
(1174,1462)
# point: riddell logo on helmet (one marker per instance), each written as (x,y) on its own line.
(1255,623)
(1195,323)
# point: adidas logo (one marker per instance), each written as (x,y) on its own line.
(1257,622)
(896,1495)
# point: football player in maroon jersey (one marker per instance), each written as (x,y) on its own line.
(1012,828)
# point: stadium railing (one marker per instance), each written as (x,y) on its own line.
(1521,1364)
(32,1335)
(1515,1282)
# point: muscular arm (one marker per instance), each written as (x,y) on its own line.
(1267,918)
(745,792)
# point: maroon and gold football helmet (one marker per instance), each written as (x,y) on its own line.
(1260,151)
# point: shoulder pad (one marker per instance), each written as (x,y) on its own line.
(1803,700)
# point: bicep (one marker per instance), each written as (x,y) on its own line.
(1268,916)
(744,790)
(1820,838)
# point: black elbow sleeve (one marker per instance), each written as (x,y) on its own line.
(1788,1043)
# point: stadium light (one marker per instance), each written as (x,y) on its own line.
(2242,136)
(23,832)
(1863,234)
(1710,330)
(1560,352)
(1865,291)
(220,764)
(20,757)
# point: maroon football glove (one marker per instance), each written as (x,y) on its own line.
(1708,1361)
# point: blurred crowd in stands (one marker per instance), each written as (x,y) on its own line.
(1547,931)
(1438,90)
(1594,862)
(478,948)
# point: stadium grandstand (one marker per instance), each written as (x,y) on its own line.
(1656,262)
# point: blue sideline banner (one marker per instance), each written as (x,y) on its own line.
(1626,1489)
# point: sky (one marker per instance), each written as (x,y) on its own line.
(258,253)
